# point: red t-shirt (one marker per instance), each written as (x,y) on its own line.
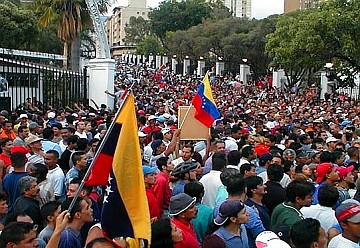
(162,190)
(7,162)
(154,205)
(189,235)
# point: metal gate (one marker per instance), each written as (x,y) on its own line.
(36,80)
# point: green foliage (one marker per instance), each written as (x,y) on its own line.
(177,15)
(232,39)
(305,40)
(19,30)
(150,45)
(136,30)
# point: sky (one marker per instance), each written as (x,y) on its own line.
(260,8)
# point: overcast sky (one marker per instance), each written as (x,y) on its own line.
(264,8)
(260,8)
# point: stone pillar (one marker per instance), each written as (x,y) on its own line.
(244,73)
(101,78)
(278,78)
(144,59)
(139,59)
(151,60)
(165,59)
(123,56)
(173,64)
(219,68)
(200,68)
(186,68)
(326,85)
(158,61)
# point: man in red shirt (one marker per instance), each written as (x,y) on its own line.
(183,210)
(153,201)
(6,145)
(162,185)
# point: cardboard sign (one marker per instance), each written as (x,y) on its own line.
(191,128)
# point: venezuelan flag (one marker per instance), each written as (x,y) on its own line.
(125,211)
(206,110)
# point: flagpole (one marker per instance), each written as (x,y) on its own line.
(87,174)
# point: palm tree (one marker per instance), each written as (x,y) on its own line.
(70,16)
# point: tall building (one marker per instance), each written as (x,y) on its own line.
(292,5)
(239,8)
(115,24)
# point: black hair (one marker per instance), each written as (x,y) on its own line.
(54,153)
(219,161)
(328,195)
(22,128)
(252,183)
(299,188)
(161,162)
(246,151)
(301,238)
(49,209)
(18,159)
(48,133)
(194,189)
(246,167)
(15,232)
(235,184)
(157,135)
(233,157)
(72,139)
(326,157)
(57,125)
(40,172)
(77,206)
(82,144)
(161,234)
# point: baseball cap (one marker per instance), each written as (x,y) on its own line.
(51,115)
(269,239)
(32,138)
(331,139)
(228,209)
(23,116)
(349,210)
(343,171)
(180,203)
(165,130)
(245,130)
(152,117)
(147,169)
(322,170)
(141,134)
(155,144)
(266,157)
(261,149)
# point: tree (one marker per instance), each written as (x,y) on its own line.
(17,24)
(150,45)
(304,41)
(177,15)
(136,30)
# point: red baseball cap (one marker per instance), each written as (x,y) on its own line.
(322,170)
(261,149)
(343,171)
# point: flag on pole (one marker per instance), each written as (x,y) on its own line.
(125,211)
(206,110)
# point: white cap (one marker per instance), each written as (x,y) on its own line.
(165,130)
(51,115)
(23,116)
(141,134)
(331,139)
(152,117)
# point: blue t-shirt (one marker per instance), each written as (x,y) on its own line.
(70,238)
(10,185)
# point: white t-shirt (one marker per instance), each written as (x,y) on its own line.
(340,242)
(325,215)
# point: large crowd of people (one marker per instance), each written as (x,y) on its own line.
(278,169)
